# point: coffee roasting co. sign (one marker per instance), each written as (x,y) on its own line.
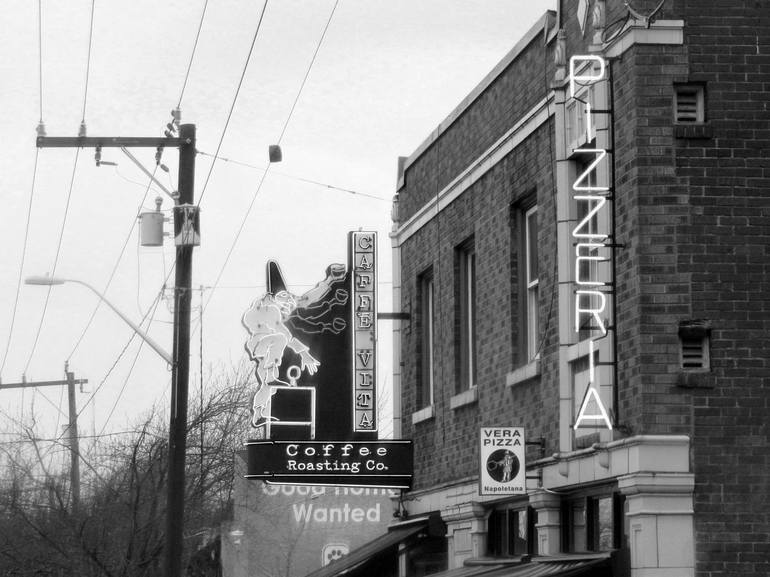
(593,244)
(314,408)
(361,463)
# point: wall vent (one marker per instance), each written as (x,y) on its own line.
(694,345)
(689,103)
(694,354)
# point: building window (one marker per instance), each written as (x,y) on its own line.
(577,133)
(600,528)
(426,328)
(532,276)
(466,315)
(583,436)
(689,103)
(593,523)
(511,532)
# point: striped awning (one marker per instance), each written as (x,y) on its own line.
(355,562)
(560,566)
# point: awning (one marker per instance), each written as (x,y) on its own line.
(371,551)
(561,566)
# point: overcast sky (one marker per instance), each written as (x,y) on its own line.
(386,74)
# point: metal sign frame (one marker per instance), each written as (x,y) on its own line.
(376,464)
(502,461)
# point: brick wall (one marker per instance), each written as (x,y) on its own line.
(693,219)
(494,112)
(693,214)
(653,292)
(727,242)
(447,445)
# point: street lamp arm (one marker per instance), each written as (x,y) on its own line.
(48,281)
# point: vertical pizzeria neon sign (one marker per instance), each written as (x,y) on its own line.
(364,322)
(591,246)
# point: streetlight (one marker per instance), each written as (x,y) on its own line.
(51,281)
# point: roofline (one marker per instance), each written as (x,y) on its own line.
(539,27)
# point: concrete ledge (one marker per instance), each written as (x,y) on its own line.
(465,398)
(669,32)
(529,122)
(700,130)
(649,483)
(422,415)
(657,454)
(523,374)
(533,34)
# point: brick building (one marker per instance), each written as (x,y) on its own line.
(582,247)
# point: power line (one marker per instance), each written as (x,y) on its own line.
(104,380)
(307,73)
(54,405)
(40,56)
(264,174)
(262,286)
(21,263)
(235,98)
(117,360)
(71,186)
(57,440)
(195,46)
(130,371)
(109,372)
(40,130)
(114,268)
(96,308)
(308,180)
(137,183)
(50,450)
(88,64)
(55,262)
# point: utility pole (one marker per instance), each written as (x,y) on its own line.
(72,427)
(184,231)
(73,437)
(186,236)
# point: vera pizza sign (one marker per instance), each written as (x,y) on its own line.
(315,360)
(502,461)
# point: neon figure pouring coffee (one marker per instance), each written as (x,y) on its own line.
(270,320)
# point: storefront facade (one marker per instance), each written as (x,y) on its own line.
(581,247)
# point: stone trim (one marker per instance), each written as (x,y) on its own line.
(486,161)
(534,32)
(669,32)
(422,415)
(524,373)
(465,398)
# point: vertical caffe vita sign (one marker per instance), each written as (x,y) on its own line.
(364,286)
(315,393)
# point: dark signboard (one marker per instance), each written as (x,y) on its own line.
(346,463)
(315,358)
